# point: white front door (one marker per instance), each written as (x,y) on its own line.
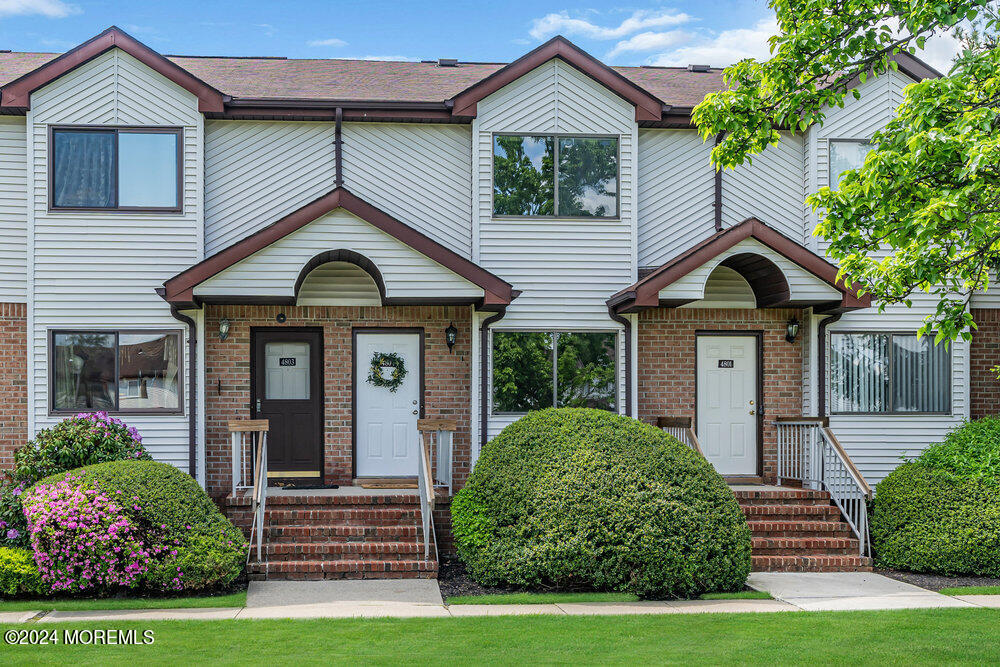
(385,421)
(727,402)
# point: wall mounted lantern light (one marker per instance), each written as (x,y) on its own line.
(450,336)
(792,330)
(224,325)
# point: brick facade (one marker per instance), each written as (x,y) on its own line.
(447,376)
(13,380)
(984,387)
(666,364)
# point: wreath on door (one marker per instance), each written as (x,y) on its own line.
(387,370)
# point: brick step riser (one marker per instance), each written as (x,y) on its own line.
(791,513)
(344,551)
(812,564)
(820,528)
(340,576)
(759,502)
(341,518)
(287,534)
(365,568)
(766,551)
(844,534)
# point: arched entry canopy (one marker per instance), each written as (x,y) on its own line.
(302,259)
(778,271)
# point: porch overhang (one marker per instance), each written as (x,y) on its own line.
(472,285)
(767,280)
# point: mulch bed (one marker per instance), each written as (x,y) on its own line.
(454,580)
(935,582)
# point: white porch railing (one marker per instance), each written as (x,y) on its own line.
(809,452)
(249,444)
(440,434)
(425,488)
(680,428)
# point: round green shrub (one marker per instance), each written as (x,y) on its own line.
(204,548)
(931,520)
(18,573)
(581,498)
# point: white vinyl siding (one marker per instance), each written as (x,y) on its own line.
(272,271)
(13,210)
(96,270)
(769,189)
(676,194)
(566,269)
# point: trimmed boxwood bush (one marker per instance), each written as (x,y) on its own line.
(200,547)
(578,498)
(941,512)
(18,573)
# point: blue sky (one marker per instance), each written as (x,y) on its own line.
(715,32)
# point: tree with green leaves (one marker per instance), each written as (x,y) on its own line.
(928,194)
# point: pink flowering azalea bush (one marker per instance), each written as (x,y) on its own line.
(131,524)
(83,538)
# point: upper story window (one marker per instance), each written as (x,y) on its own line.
(555,176)
(118,169)
(888,373)
(846,154)
(533,370)
(135,372)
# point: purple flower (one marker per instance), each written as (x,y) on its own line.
(13,534)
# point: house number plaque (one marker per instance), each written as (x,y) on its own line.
(725,363)
(286,361)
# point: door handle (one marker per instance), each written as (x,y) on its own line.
(416,412)
(753,412)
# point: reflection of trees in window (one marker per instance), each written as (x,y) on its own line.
(523,175)
(526,167)
(523,369)
(588,177)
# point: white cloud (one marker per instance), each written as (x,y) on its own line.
(332,41)
(562,23)
(405,59)
(726,48)
(53,9)
(649,41)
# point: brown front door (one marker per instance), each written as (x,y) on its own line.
(286,389)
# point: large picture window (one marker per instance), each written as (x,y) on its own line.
(533,370)
(115,371)
(846,154)
(129,169)
(888,373)
(548,175)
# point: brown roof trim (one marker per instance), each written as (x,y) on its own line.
(180,288)
(645,293)
(328,112)
(647,106)
(17,93)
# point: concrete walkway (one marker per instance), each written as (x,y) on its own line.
(422,599)
(838,591)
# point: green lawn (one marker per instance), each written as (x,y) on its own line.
(541,598)
(925,636)
(71,604)
(559,598)
(971,590)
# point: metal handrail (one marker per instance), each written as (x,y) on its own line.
(425,488)
(809,452)
(441,432)
(251,436)
(681,428)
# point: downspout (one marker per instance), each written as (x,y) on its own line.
(338,143)
(625,322)
(192,389)
(821,371)
(718,188)
(484,336)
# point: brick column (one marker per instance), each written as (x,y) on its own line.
(984,387)
(13,380)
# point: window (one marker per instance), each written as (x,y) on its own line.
(889,373)
(545,175)
(115,371)
(846,155)
(116,169)
(533,370)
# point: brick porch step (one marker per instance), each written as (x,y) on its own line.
(790,512)
(782,497)
(344,569)
(768,528)
(804,546)
(390,551)
(388,533)
(390,516)
(812,563)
